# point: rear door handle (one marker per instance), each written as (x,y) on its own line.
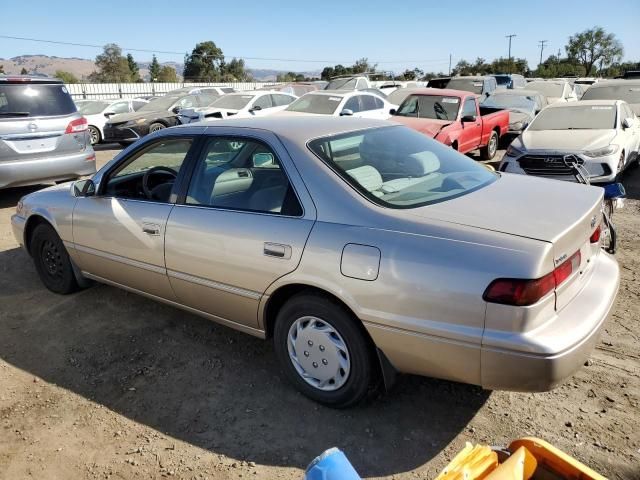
(151,228)
(277,250)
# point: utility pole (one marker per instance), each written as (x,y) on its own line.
(510,37)
(449,64)
(542,43)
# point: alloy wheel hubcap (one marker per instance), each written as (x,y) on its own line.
(318,353)
(94,136)
(156,128)
(493,144)
(52,259)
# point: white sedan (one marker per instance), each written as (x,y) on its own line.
(603,135)
(98,112)
(556,91)
(340,103)
(239,105)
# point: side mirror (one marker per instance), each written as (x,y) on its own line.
(468,118)
(176,109)
(393,111)
(109,114)
(255,108)
(627,122)
(83,188)
(346,112)
(263,160)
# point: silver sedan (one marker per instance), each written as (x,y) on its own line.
(360,247)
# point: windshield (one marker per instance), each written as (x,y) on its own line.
(320,104)
(509,102)
(548,89)
(466,84)
(162,103)
(35,101)
(430,106)
(341,84)
(628,93)
(400,168)
(579,117)
(92,108)
(232,102)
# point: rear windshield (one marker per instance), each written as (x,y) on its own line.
(400,168)
(628,93)
(579,117)
(468,85)
(510,102)
(430,106)
(548,89)
(502,79)
(32,100)
(321,104)
(342,84)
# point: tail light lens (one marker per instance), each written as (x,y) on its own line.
(78,125)
(521,292)
(595,236)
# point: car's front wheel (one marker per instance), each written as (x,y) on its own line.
(323,350)
(154,127)
(52,260)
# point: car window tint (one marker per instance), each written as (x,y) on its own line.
(379,103)
(368,102)
(353,104)
(263,102)
(35,100)
(242,174)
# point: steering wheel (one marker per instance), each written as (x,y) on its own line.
(147,175)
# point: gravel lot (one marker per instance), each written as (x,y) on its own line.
(106,384)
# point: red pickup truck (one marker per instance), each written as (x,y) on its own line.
(455,118)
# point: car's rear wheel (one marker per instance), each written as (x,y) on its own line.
(94,134)
(52,260)
(155,127)
(323,350)
(488,152)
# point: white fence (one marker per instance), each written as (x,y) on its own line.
(97,91)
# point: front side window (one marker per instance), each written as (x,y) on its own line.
(398,167)
(469,108)
(242,174)
(149,174)
(233,102)
(119,107)
(263,102)
(316,103)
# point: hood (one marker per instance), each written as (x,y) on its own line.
(566,140)
(636,108)
(428,126)
(546,210)
(126,117)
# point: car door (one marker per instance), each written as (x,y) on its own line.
(118,233)
(632,133)
(471,131)
(242,225)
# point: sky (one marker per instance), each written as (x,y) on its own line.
(306,36)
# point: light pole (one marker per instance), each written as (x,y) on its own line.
(510,37)
(542,43)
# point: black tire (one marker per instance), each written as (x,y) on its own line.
(361,354)
(156,127)
(52,260)
(94,135)
(488,152)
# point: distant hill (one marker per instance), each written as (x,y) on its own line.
(82,67)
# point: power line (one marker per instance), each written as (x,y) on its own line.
(168,52)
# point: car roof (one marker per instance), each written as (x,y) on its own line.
(471,77)
(442,92)
(621,81)
(297,129)
(584,102)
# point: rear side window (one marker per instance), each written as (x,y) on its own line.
(35,101)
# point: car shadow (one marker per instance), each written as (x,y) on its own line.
(107,146)
(209,385)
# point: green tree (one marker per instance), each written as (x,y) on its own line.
(327,73)
(503,65)
(24,71)
(462,68)
(154,69)
(204,63)
(66,77)
(133,68)
(167,74)
(592,46)
(235,71)
(112,66)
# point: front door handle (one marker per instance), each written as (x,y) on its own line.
(151,228)
(277,250)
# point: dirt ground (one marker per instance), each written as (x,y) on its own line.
(106,384)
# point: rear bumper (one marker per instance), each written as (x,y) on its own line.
(45,170)
(578,324)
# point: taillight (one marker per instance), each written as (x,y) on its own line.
(78,125)
(595,236)
(520,292)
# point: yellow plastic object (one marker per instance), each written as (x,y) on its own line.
(555,460)
(519,466)
(472,463)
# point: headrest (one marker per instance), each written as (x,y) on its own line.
(420,164)
(367,176)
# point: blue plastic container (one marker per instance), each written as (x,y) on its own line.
(331,464)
